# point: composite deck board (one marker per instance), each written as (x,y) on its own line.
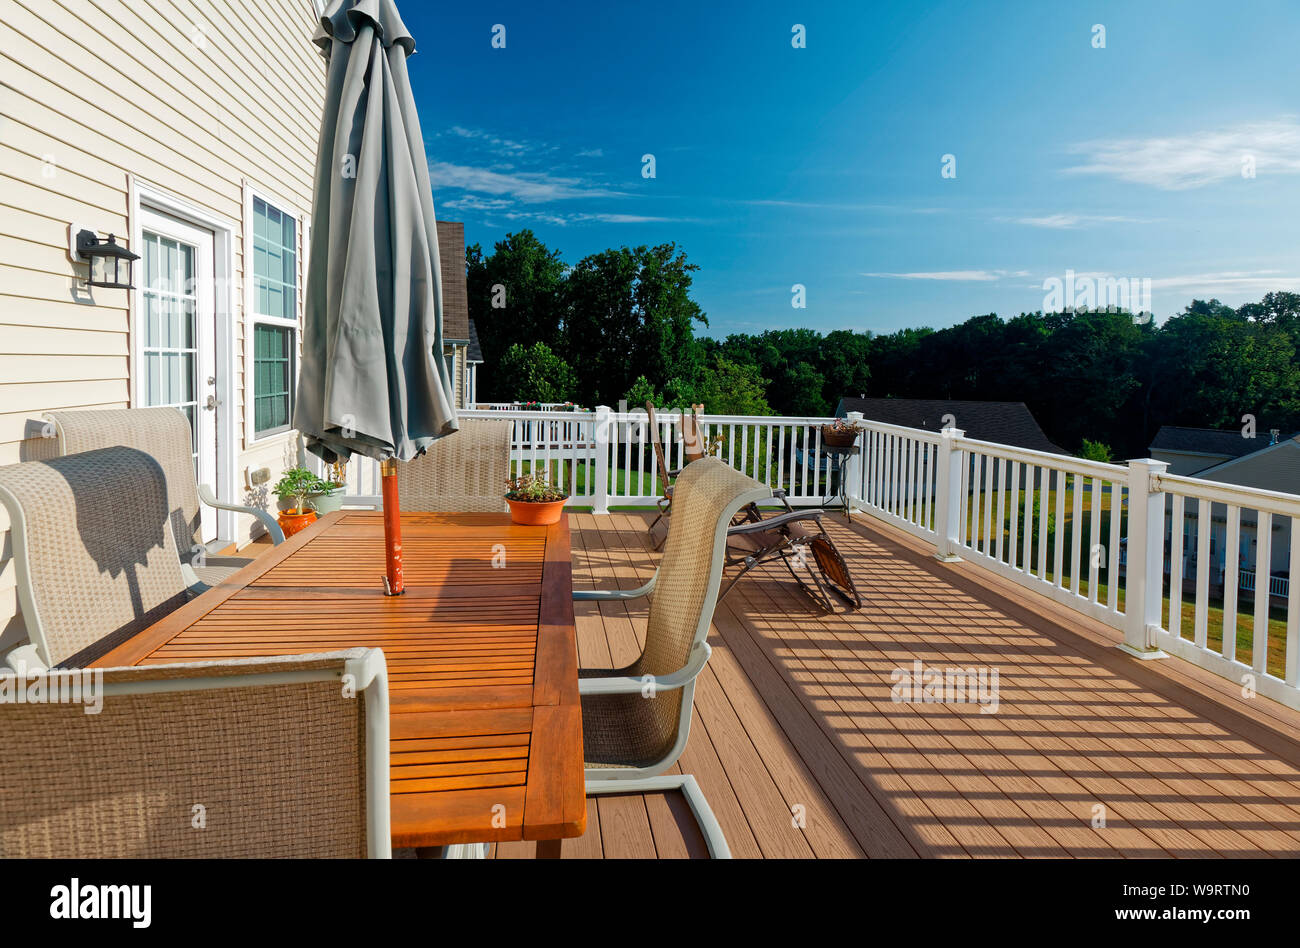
(1120,737)
(1180,768)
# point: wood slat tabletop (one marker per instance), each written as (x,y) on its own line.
(486,724)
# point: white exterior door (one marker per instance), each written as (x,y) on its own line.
(176,335)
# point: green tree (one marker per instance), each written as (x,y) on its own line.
(640,393)
(1096,451)
(724,388)
(535,374)
(516,295)
(628,312)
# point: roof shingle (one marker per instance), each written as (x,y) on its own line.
(1001,422)
(1228,444)
(455,294)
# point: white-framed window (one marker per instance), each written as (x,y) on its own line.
(273,317)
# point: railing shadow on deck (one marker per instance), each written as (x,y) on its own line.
(1079,724)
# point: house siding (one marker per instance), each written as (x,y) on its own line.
(195,98)
(1277,469)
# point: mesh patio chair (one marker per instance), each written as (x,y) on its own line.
(800,540)
(462,473)
(94,554)
(692,450)
(798,537)
(165,434)
(251,758)
(636,720)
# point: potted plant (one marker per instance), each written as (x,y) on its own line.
(329,497)
(296,485)
(840,433)
(534,502)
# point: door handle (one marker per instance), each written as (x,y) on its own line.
(211,403)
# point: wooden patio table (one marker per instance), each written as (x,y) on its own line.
(486,725)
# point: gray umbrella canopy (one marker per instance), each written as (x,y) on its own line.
(373,381)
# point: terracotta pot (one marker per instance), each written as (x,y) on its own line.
(530,514)
(292,523)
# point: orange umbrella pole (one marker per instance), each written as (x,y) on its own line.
(393,582)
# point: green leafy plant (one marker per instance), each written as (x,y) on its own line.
(842,425)
(533,489)
(1096,451)
(298,483)
(337,478)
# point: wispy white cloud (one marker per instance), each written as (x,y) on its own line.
(841,206)
(955,276)
(591,153)
(509,210)
(1224,281)
(528,186)
(1181,162)
(1073,221)
(495,142)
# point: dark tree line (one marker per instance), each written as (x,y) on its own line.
(621,324)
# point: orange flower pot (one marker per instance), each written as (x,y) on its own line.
(292,523)
(530,514)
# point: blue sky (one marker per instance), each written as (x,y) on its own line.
(822,166)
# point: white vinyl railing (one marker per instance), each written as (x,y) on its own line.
(1106,540)
(605,458)
(1272,666)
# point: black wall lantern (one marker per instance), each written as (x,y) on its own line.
(110,262)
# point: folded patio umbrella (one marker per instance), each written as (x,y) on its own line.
(373,381)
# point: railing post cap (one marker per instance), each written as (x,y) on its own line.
(1149,463)
(952,433)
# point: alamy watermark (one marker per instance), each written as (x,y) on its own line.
(84,686)
(1080,292)
(918,684)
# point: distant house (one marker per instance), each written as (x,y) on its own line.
(1002,422)
(1268,463)
(455,307)
(473,359)
(1192,450)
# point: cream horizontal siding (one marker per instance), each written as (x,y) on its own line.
(1275,469)
(194,97)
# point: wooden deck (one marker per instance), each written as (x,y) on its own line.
(802,753)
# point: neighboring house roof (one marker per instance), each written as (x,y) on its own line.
(1001,422)
(475,350)
(1208,441)
(1274,467)
(455,294)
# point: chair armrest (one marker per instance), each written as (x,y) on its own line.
(780,520)
(611,595)
(272,527)
(25,658)
(699,657)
